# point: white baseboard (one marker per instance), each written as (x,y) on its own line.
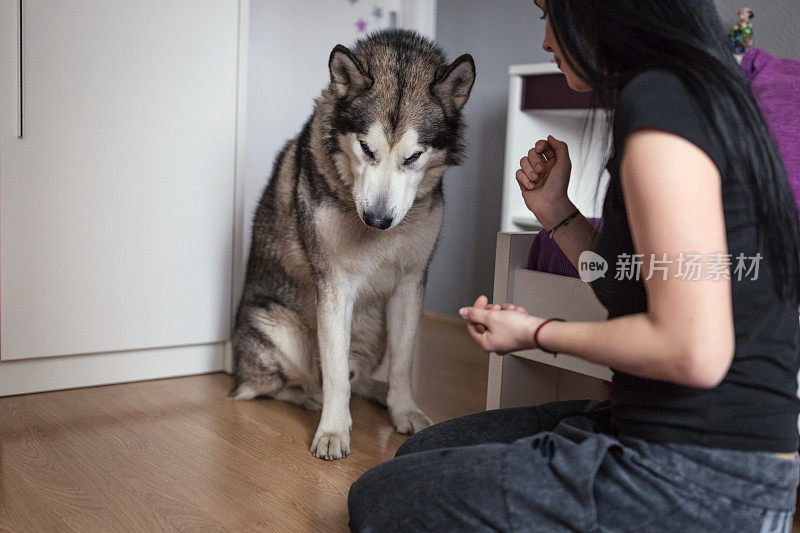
(54,373)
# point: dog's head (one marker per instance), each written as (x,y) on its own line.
(395,123)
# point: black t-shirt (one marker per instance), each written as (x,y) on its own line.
(756,406)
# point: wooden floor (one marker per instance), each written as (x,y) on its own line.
(177,454)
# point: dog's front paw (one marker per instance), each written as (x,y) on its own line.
(331,445)
(410,422)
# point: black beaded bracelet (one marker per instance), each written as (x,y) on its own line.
(536,344)
(563,223)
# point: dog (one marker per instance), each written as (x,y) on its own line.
(344,233)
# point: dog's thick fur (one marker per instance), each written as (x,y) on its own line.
(344,233)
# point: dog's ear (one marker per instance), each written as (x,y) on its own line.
(454,83)
(348,75)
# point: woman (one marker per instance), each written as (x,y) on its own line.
(702,431)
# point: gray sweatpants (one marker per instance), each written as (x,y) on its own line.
(557,467)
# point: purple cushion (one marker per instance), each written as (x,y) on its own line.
(776,85)
(546,256)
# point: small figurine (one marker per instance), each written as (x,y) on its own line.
(741,34)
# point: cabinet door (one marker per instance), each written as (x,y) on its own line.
(116,206)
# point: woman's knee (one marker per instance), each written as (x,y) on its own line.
(369,501)
(359,503)
(414,443)
(451,433)
(441,435)
(499,425)
(431,490)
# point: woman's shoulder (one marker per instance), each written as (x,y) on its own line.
(654,92)
(660,99)
(650,82)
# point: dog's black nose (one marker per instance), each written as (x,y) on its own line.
(377,221)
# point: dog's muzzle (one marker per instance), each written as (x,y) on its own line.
(379,221)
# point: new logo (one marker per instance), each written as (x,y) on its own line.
(591,266)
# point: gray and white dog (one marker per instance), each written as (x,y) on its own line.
(344,233)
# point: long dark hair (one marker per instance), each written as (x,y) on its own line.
(607,42)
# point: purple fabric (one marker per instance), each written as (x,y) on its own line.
(776,85)
(546,256)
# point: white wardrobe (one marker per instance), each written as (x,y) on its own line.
(117,159)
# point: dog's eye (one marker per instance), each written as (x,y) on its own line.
(413,158)
(367,150)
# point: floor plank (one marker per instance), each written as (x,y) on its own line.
(177,454)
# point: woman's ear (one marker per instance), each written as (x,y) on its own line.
(348,75)
(453,85)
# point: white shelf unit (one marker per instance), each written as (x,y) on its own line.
(531,377)
(525,127)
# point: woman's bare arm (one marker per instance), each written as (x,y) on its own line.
(673,196)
